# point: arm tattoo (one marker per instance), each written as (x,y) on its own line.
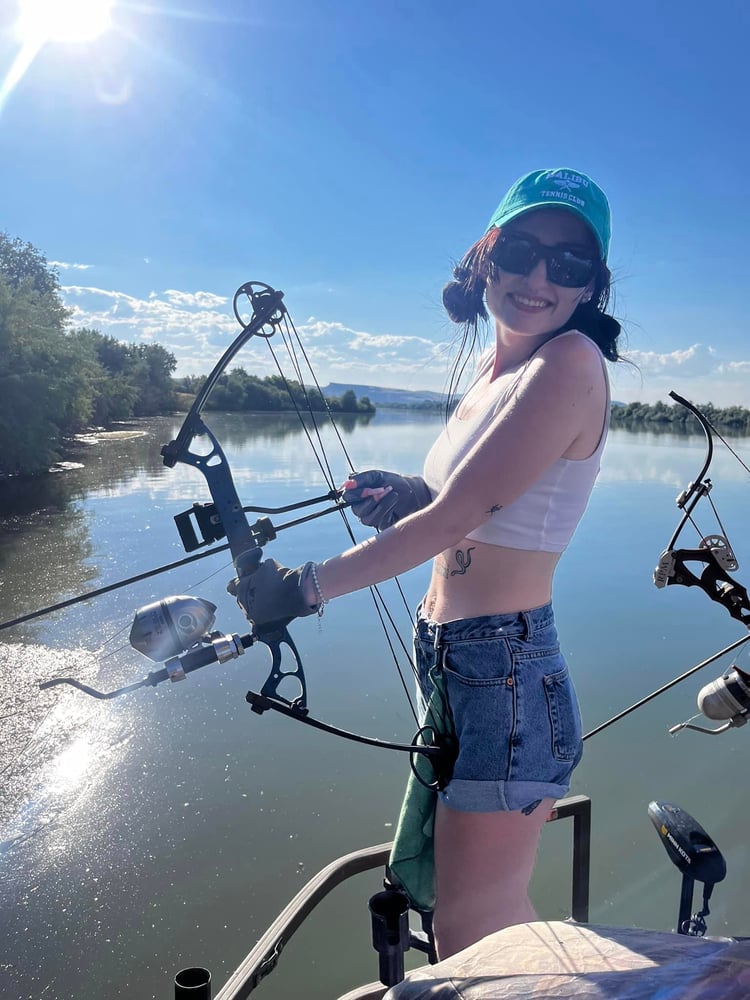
(463,559)
(495,508)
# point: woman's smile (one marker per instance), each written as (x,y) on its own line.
(528,303)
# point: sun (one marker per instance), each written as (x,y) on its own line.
(41,22)
(62,20)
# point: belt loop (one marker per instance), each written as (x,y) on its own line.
(436,642)
(528,622)
(439,648)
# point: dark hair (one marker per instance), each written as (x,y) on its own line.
(463,299)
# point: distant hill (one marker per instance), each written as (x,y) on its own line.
(400,398)
(381,396)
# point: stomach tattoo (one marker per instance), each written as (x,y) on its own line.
(463,561)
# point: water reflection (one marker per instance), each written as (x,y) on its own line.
(86,527)
(180,803)
(237,430)
(43,557)
(47,524)
(48,745)
(658,428)
(670,459)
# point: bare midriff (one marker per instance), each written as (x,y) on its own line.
(473,578)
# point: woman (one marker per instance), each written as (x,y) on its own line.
(502,492)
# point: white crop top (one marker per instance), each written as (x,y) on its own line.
(544,518)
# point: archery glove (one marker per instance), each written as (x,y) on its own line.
(407,495)
(272,595)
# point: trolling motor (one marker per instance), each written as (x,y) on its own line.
(695,854)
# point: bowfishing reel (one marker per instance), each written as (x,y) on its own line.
(176,631)
(168,627)
(725,698)
(728,697)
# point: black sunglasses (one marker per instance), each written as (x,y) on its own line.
(568,267)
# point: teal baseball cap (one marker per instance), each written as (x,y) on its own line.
(560,188)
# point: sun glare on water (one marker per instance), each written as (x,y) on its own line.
(62,20)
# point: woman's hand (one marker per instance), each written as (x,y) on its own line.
(380,499)
(272,595)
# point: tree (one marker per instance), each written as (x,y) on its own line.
(54,382)
(45,383)
(156,394)
(22,264)
(132,379)
(348,401)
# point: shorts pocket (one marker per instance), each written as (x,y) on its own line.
(565,718)
(479,662)
(481,693)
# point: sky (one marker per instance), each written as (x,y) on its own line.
(349,152)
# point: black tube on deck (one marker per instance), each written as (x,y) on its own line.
(389,911)
(192,984)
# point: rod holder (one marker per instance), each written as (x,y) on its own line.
(389,911)
(192,984)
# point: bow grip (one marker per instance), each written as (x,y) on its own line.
(248,561)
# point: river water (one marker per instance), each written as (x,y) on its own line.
(168,827)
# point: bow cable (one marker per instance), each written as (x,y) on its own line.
(291,339)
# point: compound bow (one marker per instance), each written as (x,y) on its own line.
(177,629)
(714,551)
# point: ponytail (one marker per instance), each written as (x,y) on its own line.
(463,297)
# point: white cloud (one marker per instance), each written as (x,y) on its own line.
(359,340)
(198,326)
(700,372)
(695,360)
(204,300)
(62,266)
(187,324)
(736,367)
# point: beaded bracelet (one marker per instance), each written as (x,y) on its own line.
(316,582)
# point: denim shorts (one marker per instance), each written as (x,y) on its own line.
(513,705)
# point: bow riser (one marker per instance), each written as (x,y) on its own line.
(714,581)
(227,517)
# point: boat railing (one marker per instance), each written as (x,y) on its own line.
(264,957)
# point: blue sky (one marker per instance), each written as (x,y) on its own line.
(348,152)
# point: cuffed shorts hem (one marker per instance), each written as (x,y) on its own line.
(466,795)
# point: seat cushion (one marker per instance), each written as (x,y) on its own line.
(561,959)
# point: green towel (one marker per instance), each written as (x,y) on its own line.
(412,860)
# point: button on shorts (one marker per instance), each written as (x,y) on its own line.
(513,706)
